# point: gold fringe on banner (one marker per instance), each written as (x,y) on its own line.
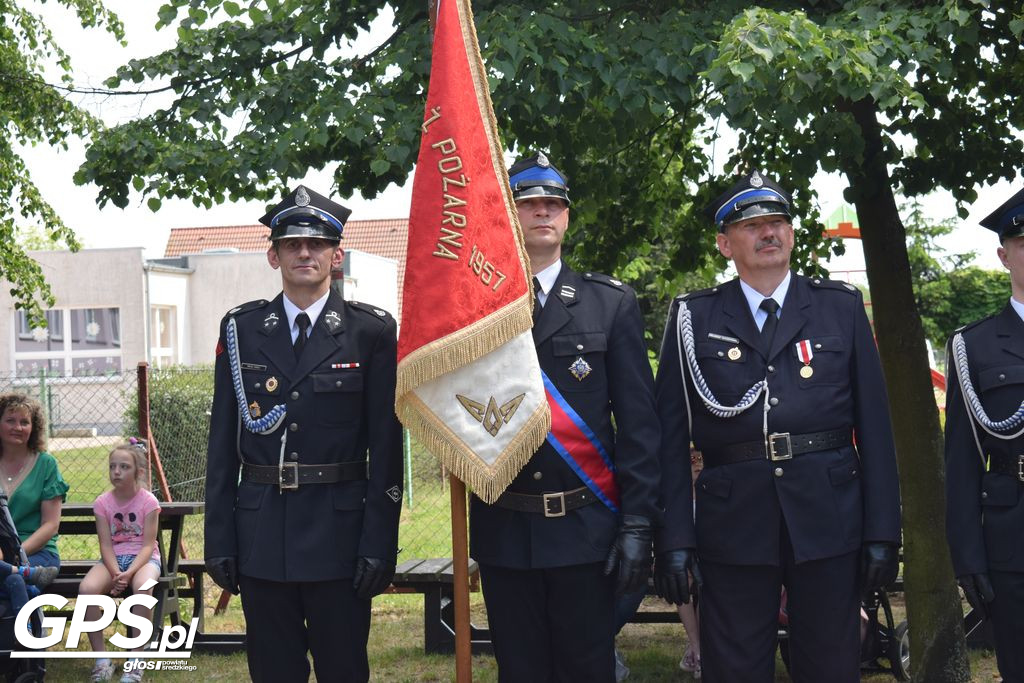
(461,348)
(487,481)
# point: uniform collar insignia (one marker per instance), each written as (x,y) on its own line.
(270,323)
(332,320)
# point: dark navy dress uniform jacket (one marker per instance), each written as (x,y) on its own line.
(593,317)
(314,533)
(985,519)
(831,501)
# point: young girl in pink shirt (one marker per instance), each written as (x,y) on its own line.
(127,519)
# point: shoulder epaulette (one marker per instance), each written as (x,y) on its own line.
(604,280)
(838,285)
(975,323)
(246,307)
(688,296)
(369,309)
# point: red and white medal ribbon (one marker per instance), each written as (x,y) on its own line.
(804,352)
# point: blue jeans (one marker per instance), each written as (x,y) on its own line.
(14,585)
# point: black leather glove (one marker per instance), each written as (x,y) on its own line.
(631,553)
(372,577)
(671,581)
(880,563)
(978,591)
(224,572)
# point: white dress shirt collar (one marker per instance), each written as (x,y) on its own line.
(292,311)
(754,298)
(547,278)
(1017,306)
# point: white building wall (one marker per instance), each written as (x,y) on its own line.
(372,279)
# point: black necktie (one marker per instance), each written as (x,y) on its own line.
(302,320)
(536,299)
(771,307)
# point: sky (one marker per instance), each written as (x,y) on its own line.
(95,55)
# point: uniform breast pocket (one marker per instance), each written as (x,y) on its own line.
(580,359)
(725,368)
(262,391)
(829,362)
(338,397)
(1001,387)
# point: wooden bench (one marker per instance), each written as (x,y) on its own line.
(77,519)
(435,579)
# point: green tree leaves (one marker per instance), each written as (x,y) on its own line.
(34,111)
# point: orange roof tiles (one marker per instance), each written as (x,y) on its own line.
(384,237)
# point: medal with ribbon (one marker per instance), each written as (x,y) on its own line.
(805,354)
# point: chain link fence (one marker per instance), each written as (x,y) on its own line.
(87,417)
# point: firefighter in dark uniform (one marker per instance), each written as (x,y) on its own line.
(575,524)
(775,378)
(985,453)
(304,469)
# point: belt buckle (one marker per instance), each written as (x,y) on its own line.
(560,497)
(293,484)
(780,447)
(1020,468)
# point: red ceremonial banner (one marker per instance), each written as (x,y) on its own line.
(467,293)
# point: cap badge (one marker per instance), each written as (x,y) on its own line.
(379,312)
(301,197)
(580,368)
(756,180)
(542,160)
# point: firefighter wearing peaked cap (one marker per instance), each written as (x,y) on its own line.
(575,524)
(774,377)
(304,468)
(985,452)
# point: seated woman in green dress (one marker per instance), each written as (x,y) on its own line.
(35,490)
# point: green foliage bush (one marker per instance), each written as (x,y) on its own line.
(180,399)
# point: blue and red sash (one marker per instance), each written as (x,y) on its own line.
(580,448)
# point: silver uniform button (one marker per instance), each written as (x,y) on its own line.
(256,386)
(538,475)
(293,427)
(293,456)
(338,383)
(778,472)
(771,368)
(1002,378)
(721,354)
(817,346)
(774,401)
(984,494)
(579,347)
(295,395)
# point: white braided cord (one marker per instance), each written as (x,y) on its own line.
(993,427)
(684,330)
(273,419)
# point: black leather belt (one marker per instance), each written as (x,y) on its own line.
(548,504)
(291,474)
(778,446)
(1007,464)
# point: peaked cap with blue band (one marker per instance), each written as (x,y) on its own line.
(305,213)
(752,196)
(1008,220)
(536,176)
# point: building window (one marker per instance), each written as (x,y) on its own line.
(164,333)
(92,347)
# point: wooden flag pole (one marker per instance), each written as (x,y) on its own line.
(460,542)
(460,557)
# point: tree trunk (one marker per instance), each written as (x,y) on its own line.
(938,650)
